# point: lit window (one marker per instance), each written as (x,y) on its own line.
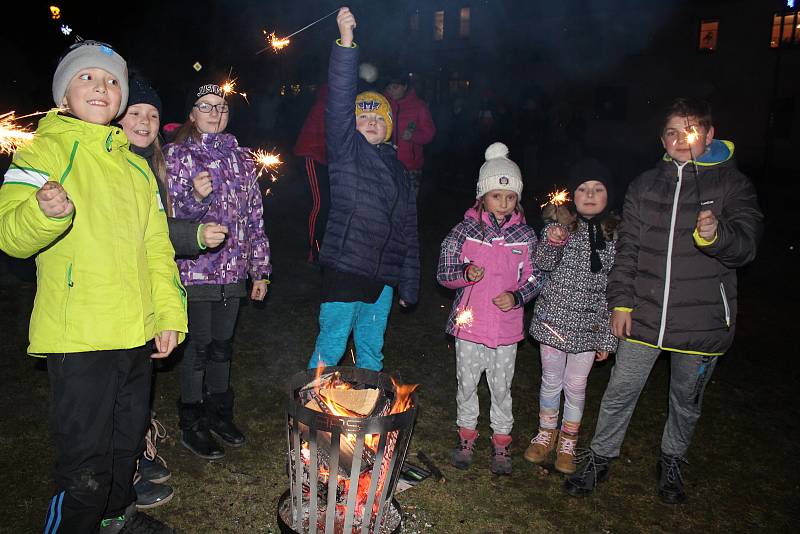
(708,35)
(463,28)
(438,25)
(785,29)
(413,22)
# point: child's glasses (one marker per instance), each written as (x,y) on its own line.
(204,107)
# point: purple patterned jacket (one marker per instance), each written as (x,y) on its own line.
(235,201)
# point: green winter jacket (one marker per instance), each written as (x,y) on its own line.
(106,275)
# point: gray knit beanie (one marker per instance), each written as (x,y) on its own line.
(88,55)
(498,172)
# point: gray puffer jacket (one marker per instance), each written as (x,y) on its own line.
(682,292)
(571,313)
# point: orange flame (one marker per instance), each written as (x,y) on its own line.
(402,399)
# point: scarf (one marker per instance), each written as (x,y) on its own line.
(596,241)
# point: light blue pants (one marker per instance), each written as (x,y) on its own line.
(367,322)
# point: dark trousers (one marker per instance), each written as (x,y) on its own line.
(99,410)
(207,357)
(319,183)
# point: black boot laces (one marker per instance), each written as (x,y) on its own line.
(672,468)
(587,459)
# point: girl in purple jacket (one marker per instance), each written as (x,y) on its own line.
(488,259)
(213,180)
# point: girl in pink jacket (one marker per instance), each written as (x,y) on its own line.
(488,259)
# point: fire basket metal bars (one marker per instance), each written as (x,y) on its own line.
(333,469)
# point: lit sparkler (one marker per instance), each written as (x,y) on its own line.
(267,161)
(278,43)
(557,198)
(465,317)
(691,134)
(12,135)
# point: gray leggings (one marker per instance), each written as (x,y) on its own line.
(689,375)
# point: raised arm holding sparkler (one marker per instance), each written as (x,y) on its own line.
(488,259)
(371,246)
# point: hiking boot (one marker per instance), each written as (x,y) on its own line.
(670,481)
(151,466)
(219,410)
(462,454)
(149,494)
(141,523)
(541,445)
(501,458)
(592,469)
(194,432)
(565,453)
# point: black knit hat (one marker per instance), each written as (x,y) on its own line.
(589,169)
(141,92)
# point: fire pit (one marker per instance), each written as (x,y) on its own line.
(348,432)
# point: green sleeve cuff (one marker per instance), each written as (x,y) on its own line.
(622,308)
(339,42)
(200,242)
(700,242)
(61,219)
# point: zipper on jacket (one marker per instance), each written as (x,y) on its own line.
(668,272)
(725,304)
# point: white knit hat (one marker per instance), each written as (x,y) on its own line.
(499,172)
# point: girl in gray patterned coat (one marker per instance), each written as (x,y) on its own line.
(571,317)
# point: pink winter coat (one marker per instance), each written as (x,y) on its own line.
(507,253)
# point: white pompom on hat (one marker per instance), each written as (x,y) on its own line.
(498,172)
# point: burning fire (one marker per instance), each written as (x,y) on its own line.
(465,317)
(557,198)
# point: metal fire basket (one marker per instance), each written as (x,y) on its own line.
(340,484)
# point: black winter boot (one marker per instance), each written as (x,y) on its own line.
(194,432)
(670,480)
(592,469)
(219,410)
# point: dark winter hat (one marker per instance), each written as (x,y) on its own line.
(141,92)
(90,55)
(588,169)
(200,92)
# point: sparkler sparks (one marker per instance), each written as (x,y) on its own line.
(464,318)
(12,136)
(267,161)
(557,198)
(277,43)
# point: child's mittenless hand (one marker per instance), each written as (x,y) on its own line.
(202,186)
(475,273)
(347,23)
(53,200)
(621,324)
(259,290)
(601,355)
(557,234)
(165,343)
(707,225)
(505,301)
(213,234)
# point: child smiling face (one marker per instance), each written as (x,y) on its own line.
(141,123)
(93,95)
(591,198)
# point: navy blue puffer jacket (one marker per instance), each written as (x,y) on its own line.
(372,225)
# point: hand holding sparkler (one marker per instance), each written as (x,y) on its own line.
(505,301)
(601,355)
(557,234)
(259,290)
(54,201)
(475,273)
(202,186)
(347,23)
(707,224)
(621,323)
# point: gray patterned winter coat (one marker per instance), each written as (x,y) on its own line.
(571,313)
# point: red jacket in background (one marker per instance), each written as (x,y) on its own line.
(311,141)
(407,111)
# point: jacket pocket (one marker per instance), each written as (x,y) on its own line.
(725,304)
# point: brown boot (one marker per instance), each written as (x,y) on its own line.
(565,453)
(541,445)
